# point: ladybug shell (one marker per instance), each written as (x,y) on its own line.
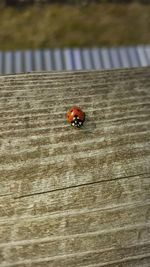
(75,111)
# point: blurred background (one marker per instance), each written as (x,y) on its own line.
(73,34)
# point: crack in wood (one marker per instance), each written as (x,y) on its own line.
(81,185)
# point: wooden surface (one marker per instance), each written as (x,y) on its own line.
(75,197)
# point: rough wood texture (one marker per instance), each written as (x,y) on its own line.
(75,197)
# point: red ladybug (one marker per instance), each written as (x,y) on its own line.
(76,116)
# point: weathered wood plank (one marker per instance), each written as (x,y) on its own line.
(105,201)
(75,197)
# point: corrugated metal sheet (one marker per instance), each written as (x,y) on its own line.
(73,59)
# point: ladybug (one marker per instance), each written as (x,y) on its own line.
(75,116)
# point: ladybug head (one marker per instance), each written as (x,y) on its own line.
(76,122)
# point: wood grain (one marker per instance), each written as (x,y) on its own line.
(75,197)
